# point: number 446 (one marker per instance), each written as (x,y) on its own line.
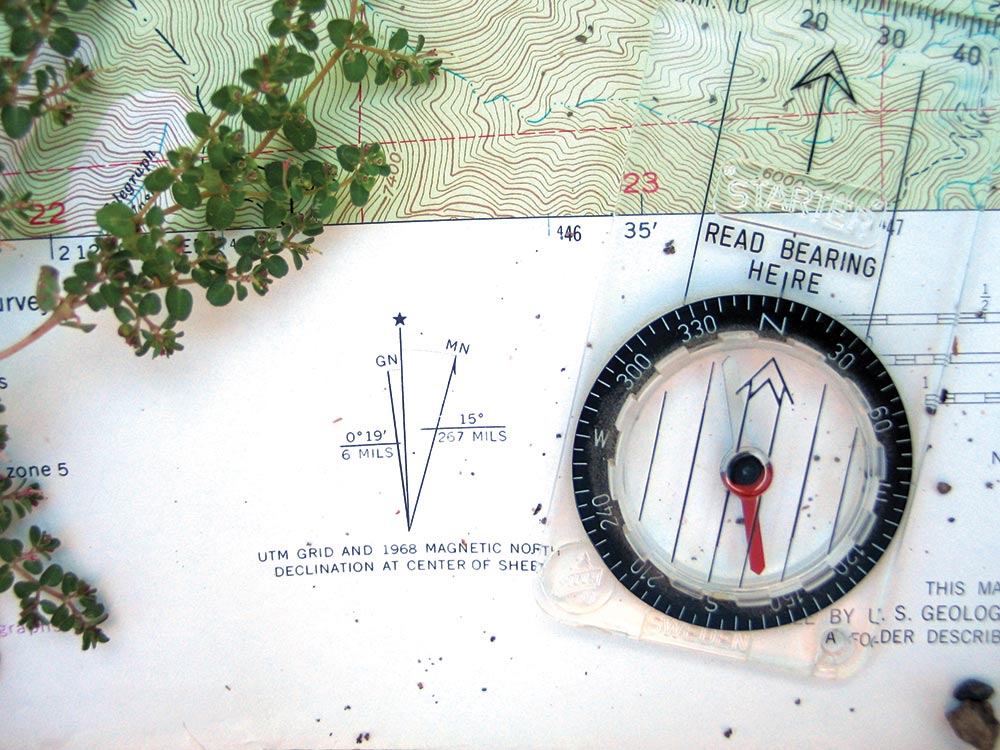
(570,232)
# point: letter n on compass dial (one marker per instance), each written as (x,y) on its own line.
(742,462)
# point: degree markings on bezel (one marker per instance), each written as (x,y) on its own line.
(800,329)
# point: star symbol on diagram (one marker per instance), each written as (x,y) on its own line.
(399,318)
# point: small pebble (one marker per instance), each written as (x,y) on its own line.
(975,724)
(973,690)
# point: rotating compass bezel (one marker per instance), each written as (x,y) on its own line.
(698,325)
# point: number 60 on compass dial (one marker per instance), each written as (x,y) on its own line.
(742,462)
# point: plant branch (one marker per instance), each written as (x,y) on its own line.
(61,314)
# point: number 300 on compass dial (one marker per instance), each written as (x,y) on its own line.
(742,462)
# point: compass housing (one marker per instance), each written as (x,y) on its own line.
(742,374)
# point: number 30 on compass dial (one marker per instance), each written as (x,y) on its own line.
(742,462)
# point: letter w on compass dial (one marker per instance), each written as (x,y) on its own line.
(742,462)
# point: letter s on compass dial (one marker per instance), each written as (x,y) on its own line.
(742,462)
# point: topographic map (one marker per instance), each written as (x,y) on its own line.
(248,509)
(582,107)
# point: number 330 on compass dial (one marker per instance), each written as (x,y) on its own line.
(742,462)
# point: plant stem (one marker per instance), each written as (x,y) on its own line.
(62,313)
(306,93)
(66,599)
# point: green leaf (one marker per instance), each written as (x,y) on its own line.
(41,80)
(252,78)
(179,302)
(199,123)
(277,28)
(315,171)
(307,38)
(282,8)
(257,117)
(246,244)
(273,213)
(219,213)
(299,132)
(325,206)
(340,30)
(24,589)
(9,549)
(69,582)
(355,67)
(47,288)
(398,40)
(312,6)
(216,153)
(6,578)
(193,175)
(228,99)
(149,304)
(74,285)
(112,294)
(159,179)
(299,64)
(220,293)
(52,576)
(276,266)
(15,15)
(24,40)
(202,277)
(64,41)
(349,156)
(86,270)
(186,194)
(76,5)
(62,619)
(116,218)
(359,193)
(155,216)
(32,566)
(16,120)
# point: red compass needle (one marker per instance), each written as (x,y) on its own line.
(747,477)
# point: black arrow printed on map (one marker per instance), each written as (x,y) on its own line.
(399,435)
(430,450)
(827,70)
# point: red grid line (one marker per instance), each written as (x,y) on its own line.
(755,119)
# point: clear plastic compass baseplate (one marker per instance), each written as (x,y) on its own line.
(788,163)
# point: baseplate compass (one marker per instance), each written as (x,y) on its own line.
(742,462)
(742,467)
